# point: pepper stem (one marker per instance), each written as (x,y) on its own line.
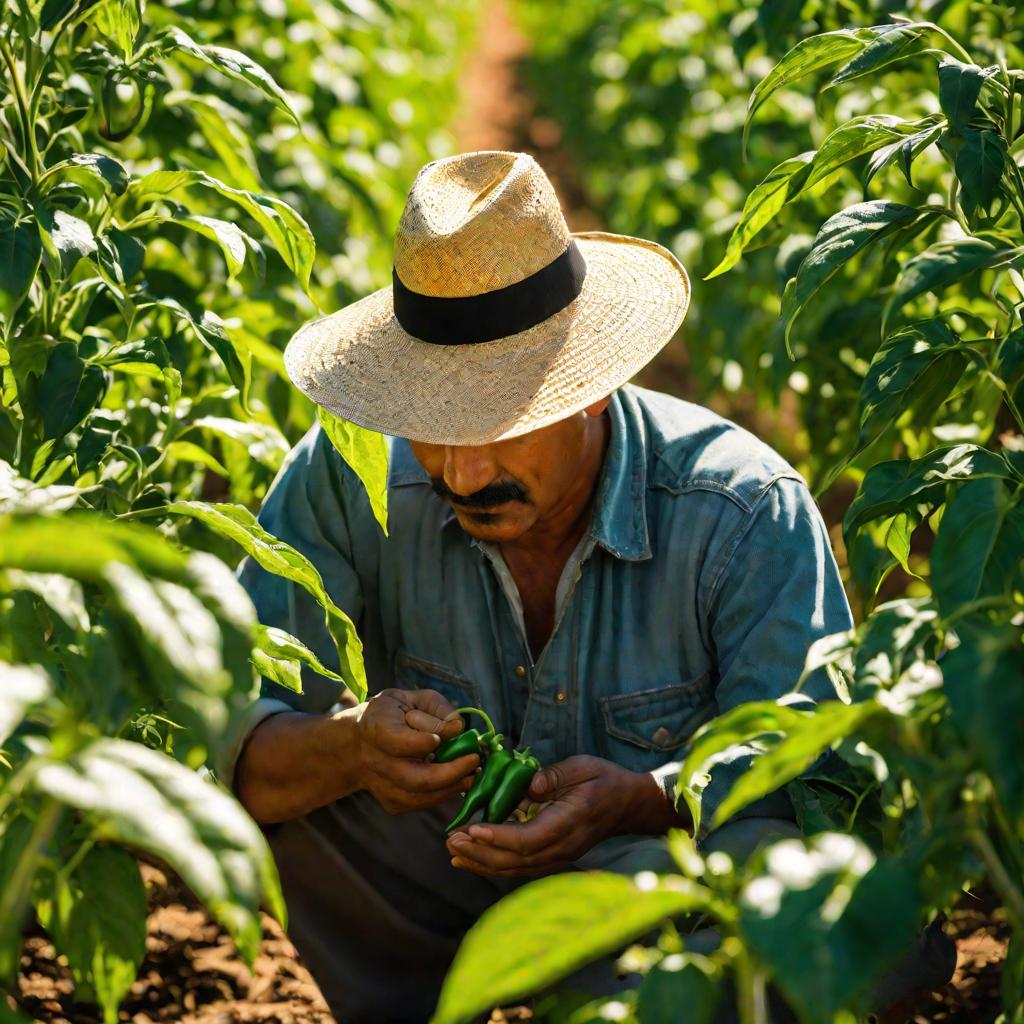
(482,714)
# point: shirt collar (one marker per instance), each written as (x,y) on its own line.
(619,522)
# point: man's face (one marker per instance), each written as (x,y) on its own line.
(500,491)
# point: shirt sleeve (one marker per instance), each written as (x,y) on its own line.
(775,591)
(306,507)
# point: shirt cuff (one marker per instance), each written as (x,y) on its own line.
(230,749)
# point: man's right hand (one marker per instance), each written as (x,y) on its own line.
(396,731)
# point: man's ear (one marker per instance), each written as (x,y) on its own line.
(598,407)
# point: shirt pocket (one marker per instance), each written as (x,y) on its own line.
(414,673)
(647,728)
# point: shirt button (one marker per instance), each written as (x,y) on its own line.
(520,671)
(561,697)
(661,736)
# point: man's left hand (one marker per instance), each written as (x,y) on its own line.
(586,800)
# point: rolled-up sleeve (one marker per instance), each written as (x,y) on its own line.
(776,589)
(306,508)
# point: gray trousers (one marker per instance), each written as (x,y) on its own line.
(377,912)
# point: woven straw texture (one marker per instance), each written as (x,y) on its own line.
(474,223)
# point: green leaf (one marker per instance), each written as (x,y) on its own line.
(186,451)
(979,168)
(804,741)
(217,121)
(263,441)
(232,63)
(809,55)
(714,741)
(83,546)
(879,53)
(96,167)
(959,88)
(25,687)
(838,240)
(20,251)
(982,682)
(782,184)
(543,931)
(69,390)
(979,549)
(905,151)
(829,919)
(279,656)
(70,236)
(287,231)
(240,525)
(15,837)
(100,924)
(25,496)
(853,139)
(678,980)
(890,488)
(366,452)
(145,800)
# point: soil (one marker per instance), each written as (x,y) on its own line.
(191,972)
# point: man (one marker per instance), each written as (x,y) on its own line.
(603,569)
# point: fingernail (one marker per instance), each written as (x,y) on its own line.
(451,717)
(458,839)
(481,832)
(458,862)
(540,783)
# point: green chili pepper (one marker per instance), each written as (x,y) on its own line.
(487,782)
(467,742)
(470,741)
(513,786)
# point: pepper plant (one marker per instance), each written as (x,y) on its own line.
(150,275)
(910,787)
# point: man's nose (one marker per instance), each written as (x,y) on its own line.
(467,469)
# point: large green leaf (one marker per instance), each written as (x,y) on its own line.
(25,686)
(230,62)
(287,231)
(892,487)
(803,743)
(69,390)
(99,924)
(20,251)
(829,919)
(263,441)
(782,184)
(678,980)
(838,240)
(70,237)
(366,452)
(809,55)
(979,167)
(906,150)
(240,525)
(941,264)
(280,656)
(887,48)
(959,88)
(83,546)
(24,496)
(545,930)
(979,550)
(853,139)
(145,800)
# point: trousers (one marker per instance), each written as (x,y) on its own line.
(377,912)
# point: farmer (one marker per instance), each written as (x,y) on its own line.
(600,567)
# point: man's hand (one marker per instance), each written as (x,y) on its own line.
(590,800)
(395,732)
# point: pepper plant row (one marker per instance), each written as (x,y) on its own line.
(160,193)
(913,282)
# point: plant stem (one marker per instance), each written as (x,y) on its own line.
(28,132)
(14,897)
(1011,894)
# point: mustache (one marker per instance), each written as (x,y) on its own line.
(487,497)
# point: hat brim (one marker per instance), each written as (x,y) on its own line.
(360,363)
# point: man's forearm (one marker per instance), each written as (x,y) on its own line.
(649,811)
(294,763)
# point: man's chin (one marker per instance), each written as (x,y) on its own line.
(498,527)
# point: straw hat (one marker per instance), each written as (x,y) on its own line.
(498,320)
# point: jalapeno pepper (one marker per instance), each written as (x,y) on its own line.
(513,786)
(487,782)
(470,741)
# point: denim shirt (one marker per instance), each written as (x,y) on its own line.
(704,577)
